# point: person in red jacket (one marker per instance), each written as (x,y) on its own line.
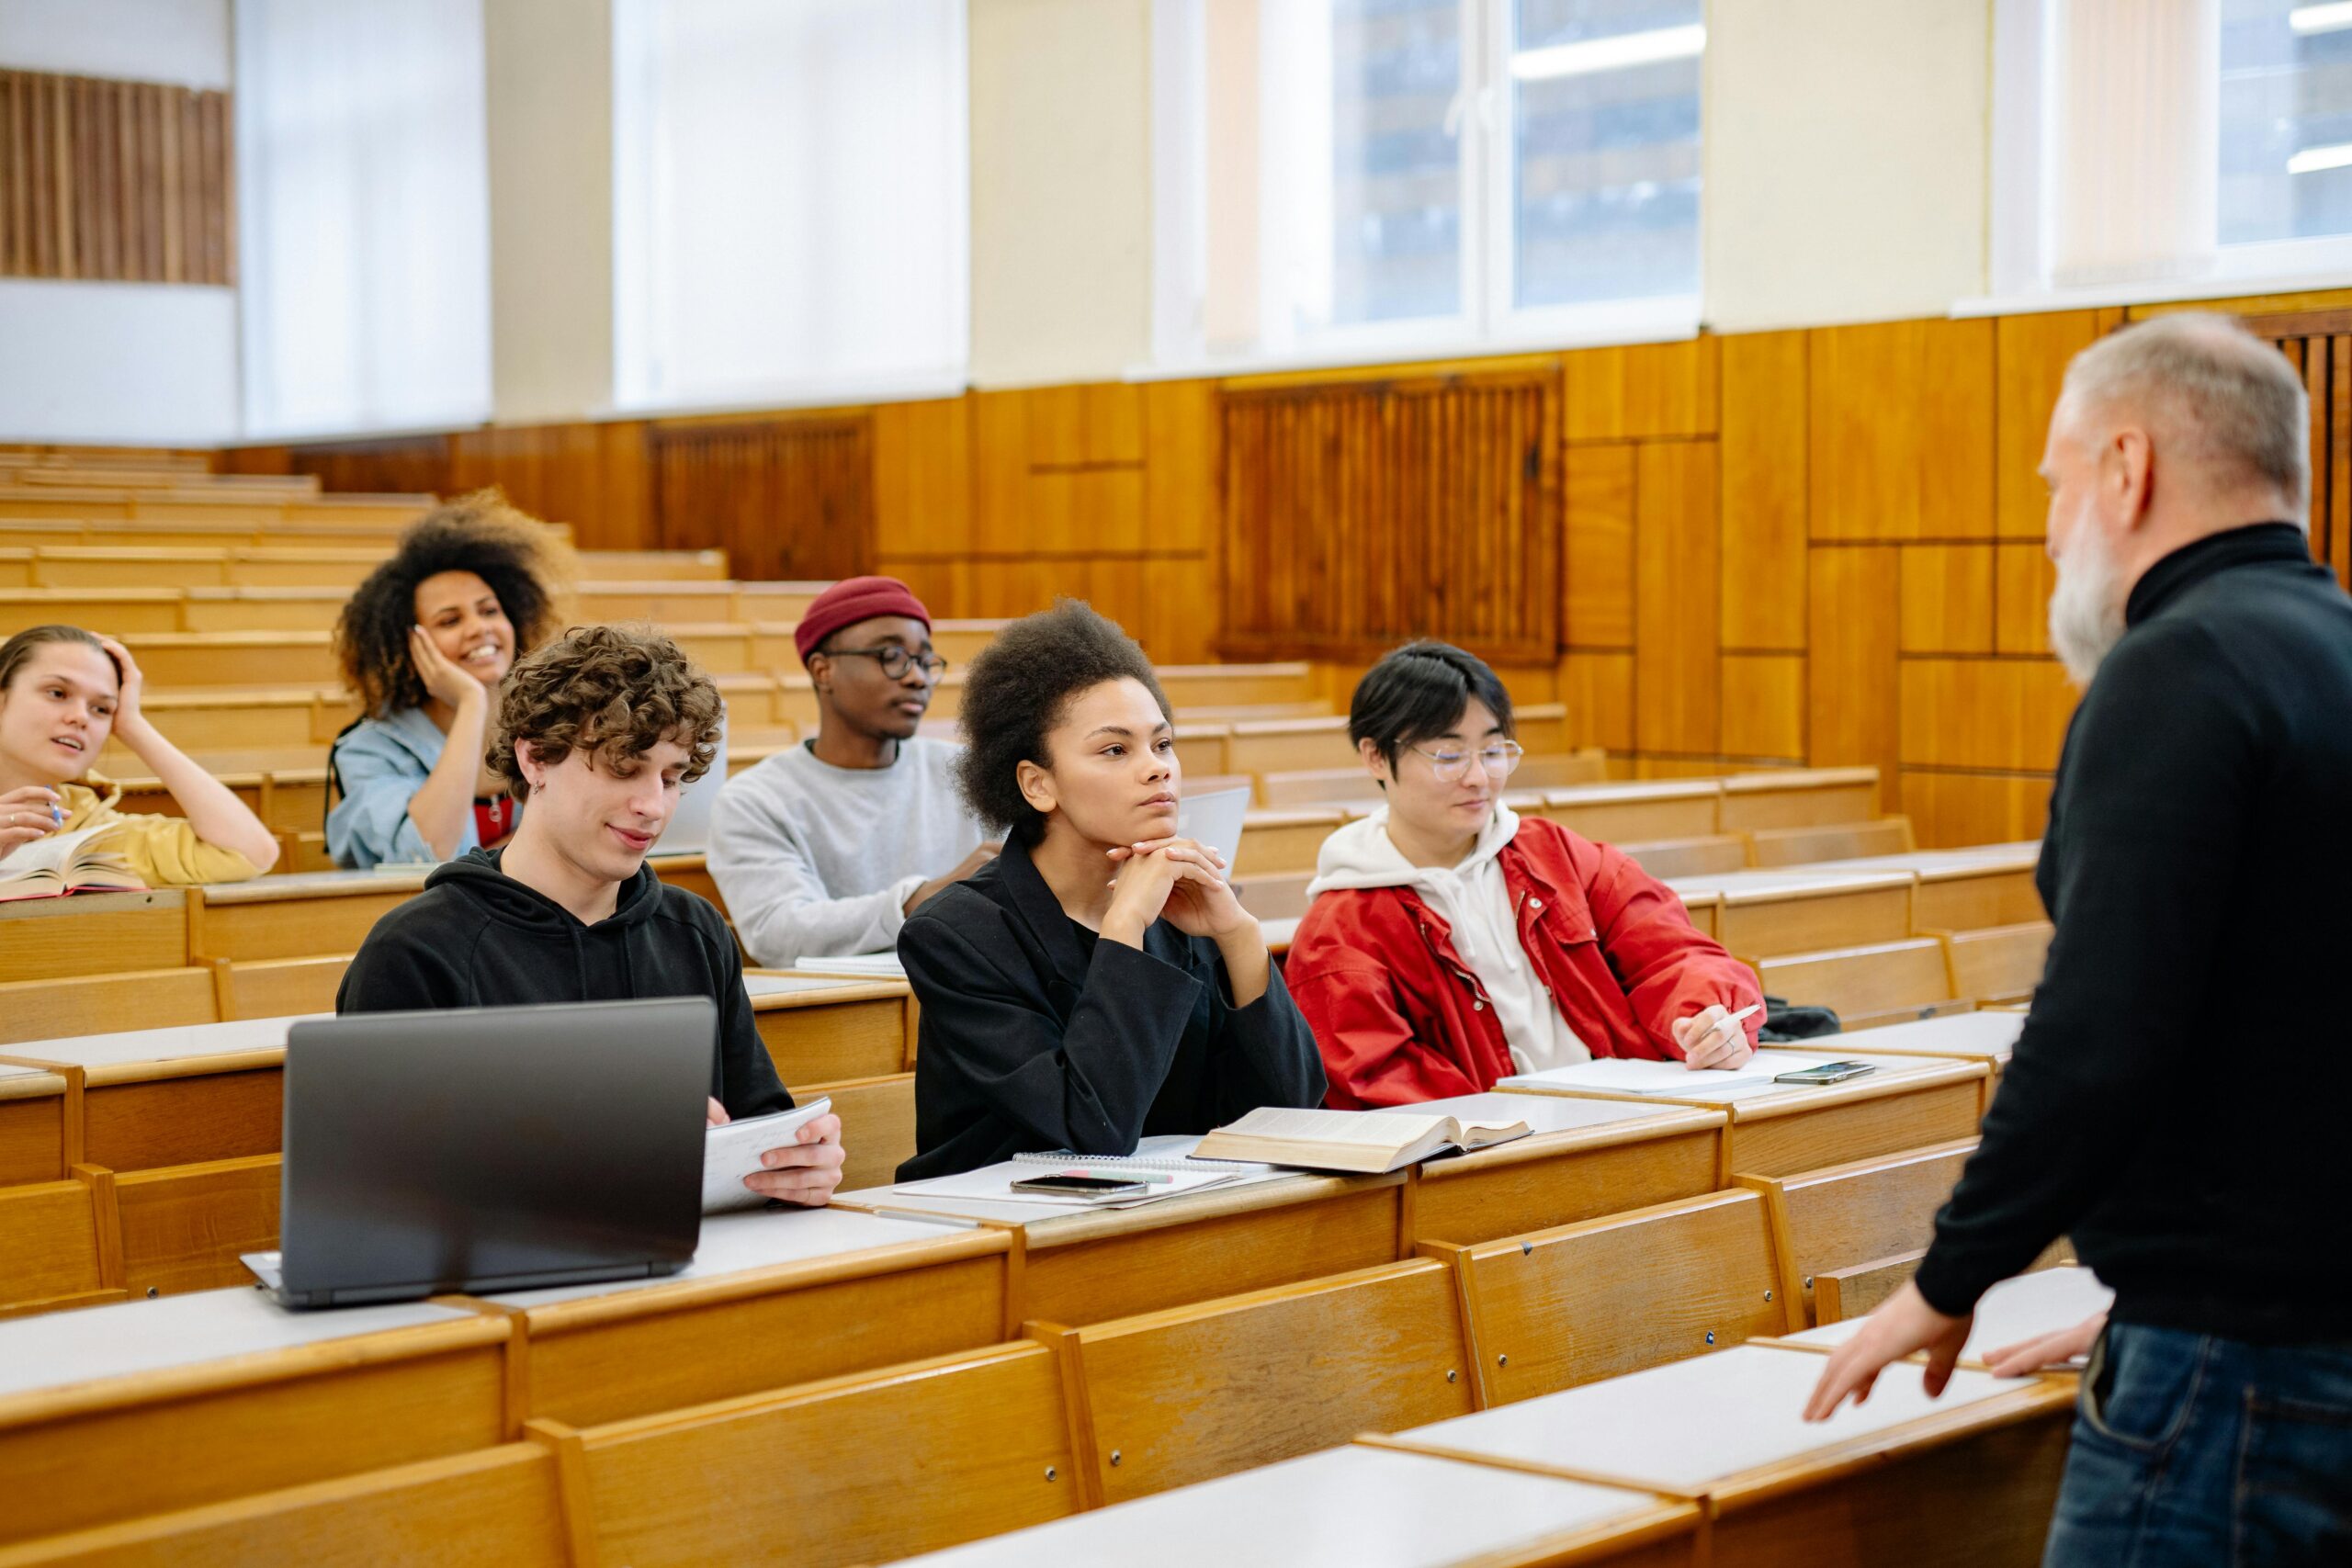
(1451,942)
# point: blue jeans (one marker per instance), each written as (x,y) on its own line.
(2190,1452)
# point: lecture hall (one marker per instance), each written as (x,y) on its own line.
(1168,784)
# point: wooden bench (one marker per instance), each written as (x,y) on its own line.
(1632,812)
(1844,1215)
(1668,858)
(1997,964)
(1188,1395)
(1770,913)
(40,1110)
(1964,890)
(1576,1303)
(60,1244)
(1879,982)
(1844,840)
(1799,798)
(94,933)
(1279,841)
(87,1004)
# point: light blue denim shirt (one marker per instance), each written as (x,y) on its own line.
(380,764)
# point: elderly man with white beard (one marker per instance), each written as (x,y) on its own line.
(2169,1105)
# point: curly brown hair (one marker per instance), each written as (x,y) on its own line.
(480,533)
(612,692)
(1016,692)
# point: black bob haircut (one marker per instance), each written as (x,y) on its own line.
(1417,693)
(1016,692)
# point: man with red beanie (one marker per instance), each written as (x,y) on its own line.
(824,848)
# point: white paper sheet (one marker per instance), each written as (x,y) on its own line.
(1626,1075)
(732,1152)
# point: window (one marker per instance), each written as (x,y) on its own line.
(789,200)
(2178,145)
(1372,177)
(363,215)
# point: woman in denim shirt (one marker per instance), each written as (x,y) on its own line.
(426,641)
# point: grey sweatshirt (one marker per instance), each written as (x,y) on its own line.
(816,861)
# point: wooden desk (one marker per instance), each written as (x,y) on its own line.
(821,1027)
(1987,1037)
(1087,1266)
(157,1097)
(2010,1314)
(196,1399)
(1765,914)
(1799,797)
(35,1114)
(1965,1479)
(1358,1507)
(1637,812)
(299,915)
(1777,1130)
(1584,1158)
(1284,841)
(1988,885)
(94,933)
(773,1297)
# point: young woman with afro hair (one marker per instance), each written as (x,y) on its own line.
(1098,983)
(426,641)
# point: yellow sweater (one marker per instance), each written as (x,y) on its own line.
(162,852)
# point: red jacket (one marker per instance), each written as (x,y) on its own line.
(1400,1018)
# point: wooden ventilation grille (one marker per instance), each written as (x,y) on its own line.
(1359,515)
(785,498)
(117,181)
(2318,344)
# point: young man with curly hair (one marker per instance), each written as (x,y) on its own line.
(425,641)
(599,731)
(1098,982)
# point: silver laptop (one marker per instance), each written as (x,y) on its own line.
(489,1149)
(689,829)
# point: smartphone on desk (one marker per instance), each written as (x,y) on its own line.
(1082,1186)
(1827,1072)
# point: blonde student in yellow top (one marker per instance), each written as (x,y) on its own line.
(62,692)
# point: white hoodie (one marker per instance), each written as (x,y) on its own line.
(1474,901)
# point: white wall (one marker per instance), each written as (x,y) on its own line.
(107,363)
(550,71)
(118,362)
(185,41)
(1847,157)
(1061,189)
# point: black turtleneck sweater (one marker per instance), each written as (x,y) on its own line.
(476,937)
(2172,1104)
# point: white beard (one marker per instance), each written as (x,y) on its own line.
(2087,607)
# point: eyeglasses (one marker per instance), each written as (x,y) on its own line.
(895,660)
(1498,760)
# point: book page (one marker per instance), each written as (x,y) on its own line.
(54,852)
(1370,1128)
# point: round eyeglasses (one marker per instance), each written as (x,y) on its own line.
(895,660)
(1498,759)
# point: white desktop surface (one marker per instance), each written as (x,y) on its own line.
(1690,1424)
(755,1238)
(1541,1112)
(390,878)
(2011,1312)
(758,985)
(62,1347)
(1732,1094)
(163,1044)
(1350,1507)
(1970,1033)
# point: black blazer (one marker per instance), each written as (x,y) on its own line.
(1028,1044)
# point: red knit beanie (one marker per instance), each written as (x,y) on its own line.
(851,600)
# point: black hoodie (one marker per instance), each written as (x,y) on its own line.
(476,937)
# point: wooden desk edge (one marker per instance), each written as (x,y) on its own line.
(155,1069)
(93,1396)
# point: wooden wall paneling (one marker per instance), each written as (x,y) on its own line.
(1764,706)
(592,476)
(1598,549)
(1764,453)
(1087,510)
(1179,617)
(1179,465)
(1953,809)
(922,478)
(1985,712)
(2031,353)
(1853,693)
(402,464)
(1947,599)
(2023,578)
(1000,471)
(1642,390)
(787,498)
(1901,431)
(1599,691)
(1676,615)
(1361,513)
(113,180)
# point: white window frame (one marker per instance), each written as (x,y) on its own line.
(2024,129)
(1490,321)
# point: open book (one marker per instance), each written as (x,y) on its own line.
(1361,1141)
(66,862)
